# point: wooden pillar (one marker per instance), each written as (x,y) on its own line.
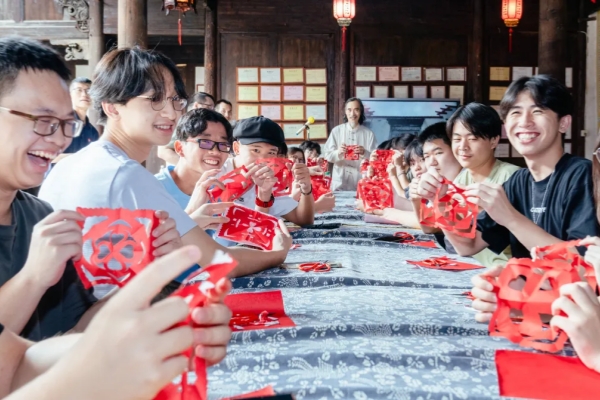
(210,48)
(553,38)
(132,23)
(96,43)
(475,70)
(343,76)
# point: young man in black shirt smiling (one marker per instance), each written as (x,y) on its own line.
(550,201)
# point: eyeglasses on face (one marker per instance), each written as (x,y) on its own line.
(179,104)
(46,125)
(81,90)
(206,144)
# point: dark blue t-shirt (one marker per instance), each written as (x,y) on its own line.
(88,135)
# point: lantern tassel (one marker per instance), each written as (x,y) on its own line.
(179,30)
(343,38)
(510,37)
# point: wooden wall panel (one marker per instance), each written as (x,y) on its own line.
(41,10)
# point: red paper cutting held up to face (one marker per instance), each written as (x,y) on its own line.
(451,212)
(384,156)
(375,194)
(236,184)
(117,244)
(249,227)
(283,173)
(320,186)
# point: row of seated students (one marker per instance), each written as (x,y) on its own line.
(141,100)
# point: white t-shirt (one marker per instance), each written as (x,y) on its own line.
(103,176)
(282,205)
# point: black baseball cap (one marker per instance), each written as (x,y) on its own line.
(258,129)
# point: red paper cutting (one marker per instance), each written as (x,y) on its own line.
(352,152)
(543,279)
(407,238)
(236,184)
(375,194)
(451,212)
(321,162)
(247,309)
(364,165)
(566,252)
(544,376)
(384,156)
(445,263)
(283,173)
(320,186)
(116,246)
(194,290)
(249,227)
(264,392)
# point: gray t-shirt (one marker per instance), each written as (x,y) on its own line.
(61,307)
(103,176)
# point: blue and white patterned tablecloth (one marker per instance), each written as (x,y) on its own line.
(377,328)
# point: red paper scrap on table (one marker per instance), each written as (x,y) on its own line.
(236,184)
(194,290)
(264,392)
(543,279)
(451,212)
(544,376)
(249,227)
(116,246)
(320,186)
(260,310)
(375,194)
(283,173)
(445,263)
(407,238)
(384,156)
(352,152)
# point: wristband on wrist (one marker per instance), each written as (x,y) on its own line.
(309,192)
(265,204)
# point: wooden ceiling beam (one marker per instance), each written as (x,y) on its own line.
(42,30)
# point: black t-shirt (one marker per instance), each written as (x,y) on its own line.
(64,303)
(562,204)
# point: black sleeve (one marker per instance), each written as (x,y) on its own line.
(579,215)
(1,328)
(495,235)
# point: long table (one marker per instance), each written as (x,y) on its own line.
(377,328)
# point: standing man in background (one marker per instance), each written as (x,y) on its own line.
(225,108)
(346,173)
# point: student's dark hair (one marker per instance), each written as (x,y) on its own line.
(413,149)
(546,91)
(283,150)
(401,142)
(433,132)
(310,145)
(200,97)
(385,145)
(194,123)
(223,101)
(294,150)
(80,79)
(21,54)
(481,120)
(362,109)
(123,74)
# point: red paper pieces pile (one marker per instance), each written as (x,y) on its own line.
(261,310)
(445,263)
(553,267)
(450,212)
(352,152)
(195,292)
(236,184)
(117,245)
(544,376)
(407,238)
(320,186)
(247,226)
(283,173)
(376,194)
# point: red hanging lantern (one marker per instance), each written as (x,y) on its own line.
(344,11)
(512,12)
(182,6)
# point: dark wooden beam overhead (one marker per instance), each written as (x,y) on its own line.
(210,48)
(475,75)
(42,30)
(552,40)
(133,23)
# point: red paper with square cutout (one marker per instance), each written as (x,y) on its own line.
(283,173)
(352,152)
(117,244)
(236,184)
(320,186)
(532,301)
(249,227)
(375,194)
(451,212)
(261,310)
(544,376)
(194,290)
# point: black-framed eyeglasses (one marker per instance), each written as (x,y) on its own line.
(46,125)
(206,144)
(179,104)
